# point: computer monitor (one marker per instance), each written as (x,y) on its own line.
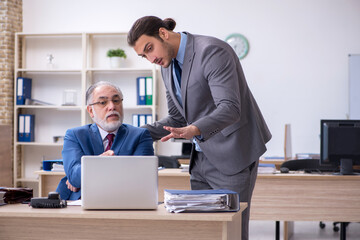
(340,144)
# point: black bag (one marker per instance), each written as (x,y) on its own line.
(16,195)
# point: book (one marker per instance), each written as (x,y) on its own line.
(221,200)
(140,84)
(23,90)
(149,91)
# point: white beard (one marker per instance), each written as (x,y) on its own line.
(109,127)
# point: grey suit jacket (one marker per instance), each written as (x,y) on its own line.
(216,99)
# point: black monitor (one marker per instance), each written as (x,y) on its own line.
(340,144)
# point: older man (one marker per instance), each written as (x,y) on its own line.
(107,136)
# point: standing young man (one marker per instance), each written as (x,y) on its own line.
(209,102)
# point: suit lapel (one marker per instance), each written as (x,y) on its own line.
(188,61)
(171,87)
(119,140)
(96,141)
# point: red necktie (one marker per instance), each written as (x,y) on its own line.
(110,137)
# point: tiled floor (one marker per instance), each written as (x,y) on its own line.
(265,230)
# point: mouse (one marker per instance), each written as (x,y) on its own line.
(284,170)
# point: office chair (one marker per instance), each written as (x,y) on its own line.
(335,227)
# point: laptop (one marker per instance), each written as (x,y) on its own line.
(119,182)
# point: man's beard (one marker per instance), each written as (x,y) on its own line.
(169,51)
(109,127)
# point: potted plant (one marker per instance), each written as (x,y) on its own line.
(115,56)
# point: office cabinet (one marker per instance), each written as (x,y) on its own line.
(61,68)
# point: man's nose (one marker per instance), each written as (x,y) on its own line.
(152,59)
(111,105)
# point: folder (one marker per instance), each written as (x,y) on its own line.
(21,128)
(148,119)
(149,91)
(142,120)
(141,91)
(23,90)
(135,120)
(29,135)
(221,200)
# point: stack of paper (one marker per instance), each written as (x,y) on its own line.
(184,167)
(56,167)
(2,198)
(201,201)
(266,168)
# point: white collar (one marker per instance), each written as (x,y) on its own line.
(104,133)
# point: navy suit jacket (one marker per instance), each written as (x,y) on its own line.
(86,140)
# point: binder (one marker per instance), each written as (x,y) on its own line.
(23,90)
(142,120)
(141,91)
(29,135)
(135,120)
(148,119)
(21,128)
(149,91)
(221,200)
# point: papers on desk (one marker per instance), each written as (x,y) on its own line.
(184,167)
(266,168)
(2,198)
(74,203)
(57,167)
(201,201)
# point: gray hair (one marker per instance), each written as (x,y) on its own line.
(90,91)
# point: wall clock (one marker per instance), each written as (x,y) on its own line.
(239,43)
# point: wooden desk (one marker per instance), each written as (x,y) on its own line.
(19,221)
(48,181)
(306,197)
(286,197)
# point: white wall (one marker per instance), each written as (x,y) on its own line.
(297,66)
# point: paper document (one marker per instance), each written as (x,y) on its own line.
(201,201)
(74,203)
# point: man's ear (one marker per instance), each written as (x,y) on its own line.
(90,111)
(163,33)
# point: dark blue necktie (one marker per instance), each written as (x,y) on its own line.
(177,71)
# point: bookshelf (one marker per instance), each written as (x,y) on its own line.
(78,60)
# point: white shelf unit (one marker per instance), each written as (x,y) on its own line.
(79,61)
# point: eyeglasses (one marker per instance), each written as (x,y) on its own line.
(104,103)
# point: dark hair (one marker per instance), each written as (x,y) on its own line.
(149,25)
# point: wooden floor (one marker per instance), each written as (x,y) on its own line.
(265,230)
